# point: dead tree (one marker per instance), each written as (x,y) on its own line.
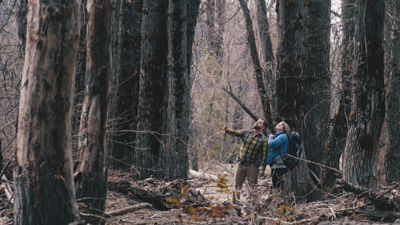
(44,190)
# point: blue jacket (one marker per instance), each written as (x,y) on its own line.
(276,143)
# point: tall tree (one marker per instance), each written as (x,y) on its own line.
(258,73)
(44,190)
(124,114)
(164,95)
(368,100)
(175,154)
(290,85)
(336,140)
(192,8)
(391,152)
(79,79)
(91,178)
(315,77)
(267,59)
(153,77)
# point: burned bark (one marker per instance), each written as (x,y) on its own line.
(44,190)
(91,178)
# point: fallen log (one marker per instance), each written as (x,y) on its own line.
(157,192)
(129,209)
(381,215)
(380,198)
(201,175)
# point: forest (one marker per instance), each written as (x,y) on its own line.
(112,111)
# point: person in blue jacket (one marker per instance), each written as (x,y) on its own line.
(278,144)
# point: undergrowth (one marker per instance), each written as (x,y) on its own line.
(254,208)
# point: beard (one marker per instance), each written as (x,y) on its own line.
(256,128)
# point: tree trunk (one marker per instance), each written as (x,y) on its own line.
(262,90)
(79,80)
(127,87)
(91,181)
(390,162)
(175,153)
(368,101)
(44,190)
(336,140)
(315,75)
(290,95)
(288,82)
(268,59)
(192,8)
(22,11)
(152,85)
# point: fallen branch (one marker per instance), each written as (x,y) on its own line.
(129,209)
(4,169)
(379,199)
(318,164)
(7,188)
(380,214)
(201,175)
(157,192)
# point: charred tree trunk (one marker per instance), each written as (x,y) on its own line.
(22,12)
(153,66)
(79,80)
(391,154)
(288,81)
(91,178)
(368,100)
(175,153)
(336,140)
(192,8)
(315,74)
(127,86)
(44,190)
(290,95)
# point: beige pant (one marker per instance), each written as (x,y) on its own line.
(243,171)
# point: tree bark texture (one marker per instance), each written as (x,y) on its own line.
(91,181)
(262,90)
(267,59)
(290,98)
(153,78)
(192,8)
(315,75)
(175,153)
(336,140)
(391,153)
(22,12)
(215,28)
(125,107)
(290,85)
(79,80)
(44,190)
(368,100)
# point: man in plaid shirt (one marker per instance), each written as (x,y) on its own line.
(252,156)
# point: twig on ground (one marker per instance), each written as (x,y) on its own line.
(129,209)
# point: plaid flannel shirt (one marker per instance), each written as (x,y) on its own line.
(253,149)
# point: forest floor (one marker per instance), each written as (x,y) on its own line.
(206,198)
(209,201)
